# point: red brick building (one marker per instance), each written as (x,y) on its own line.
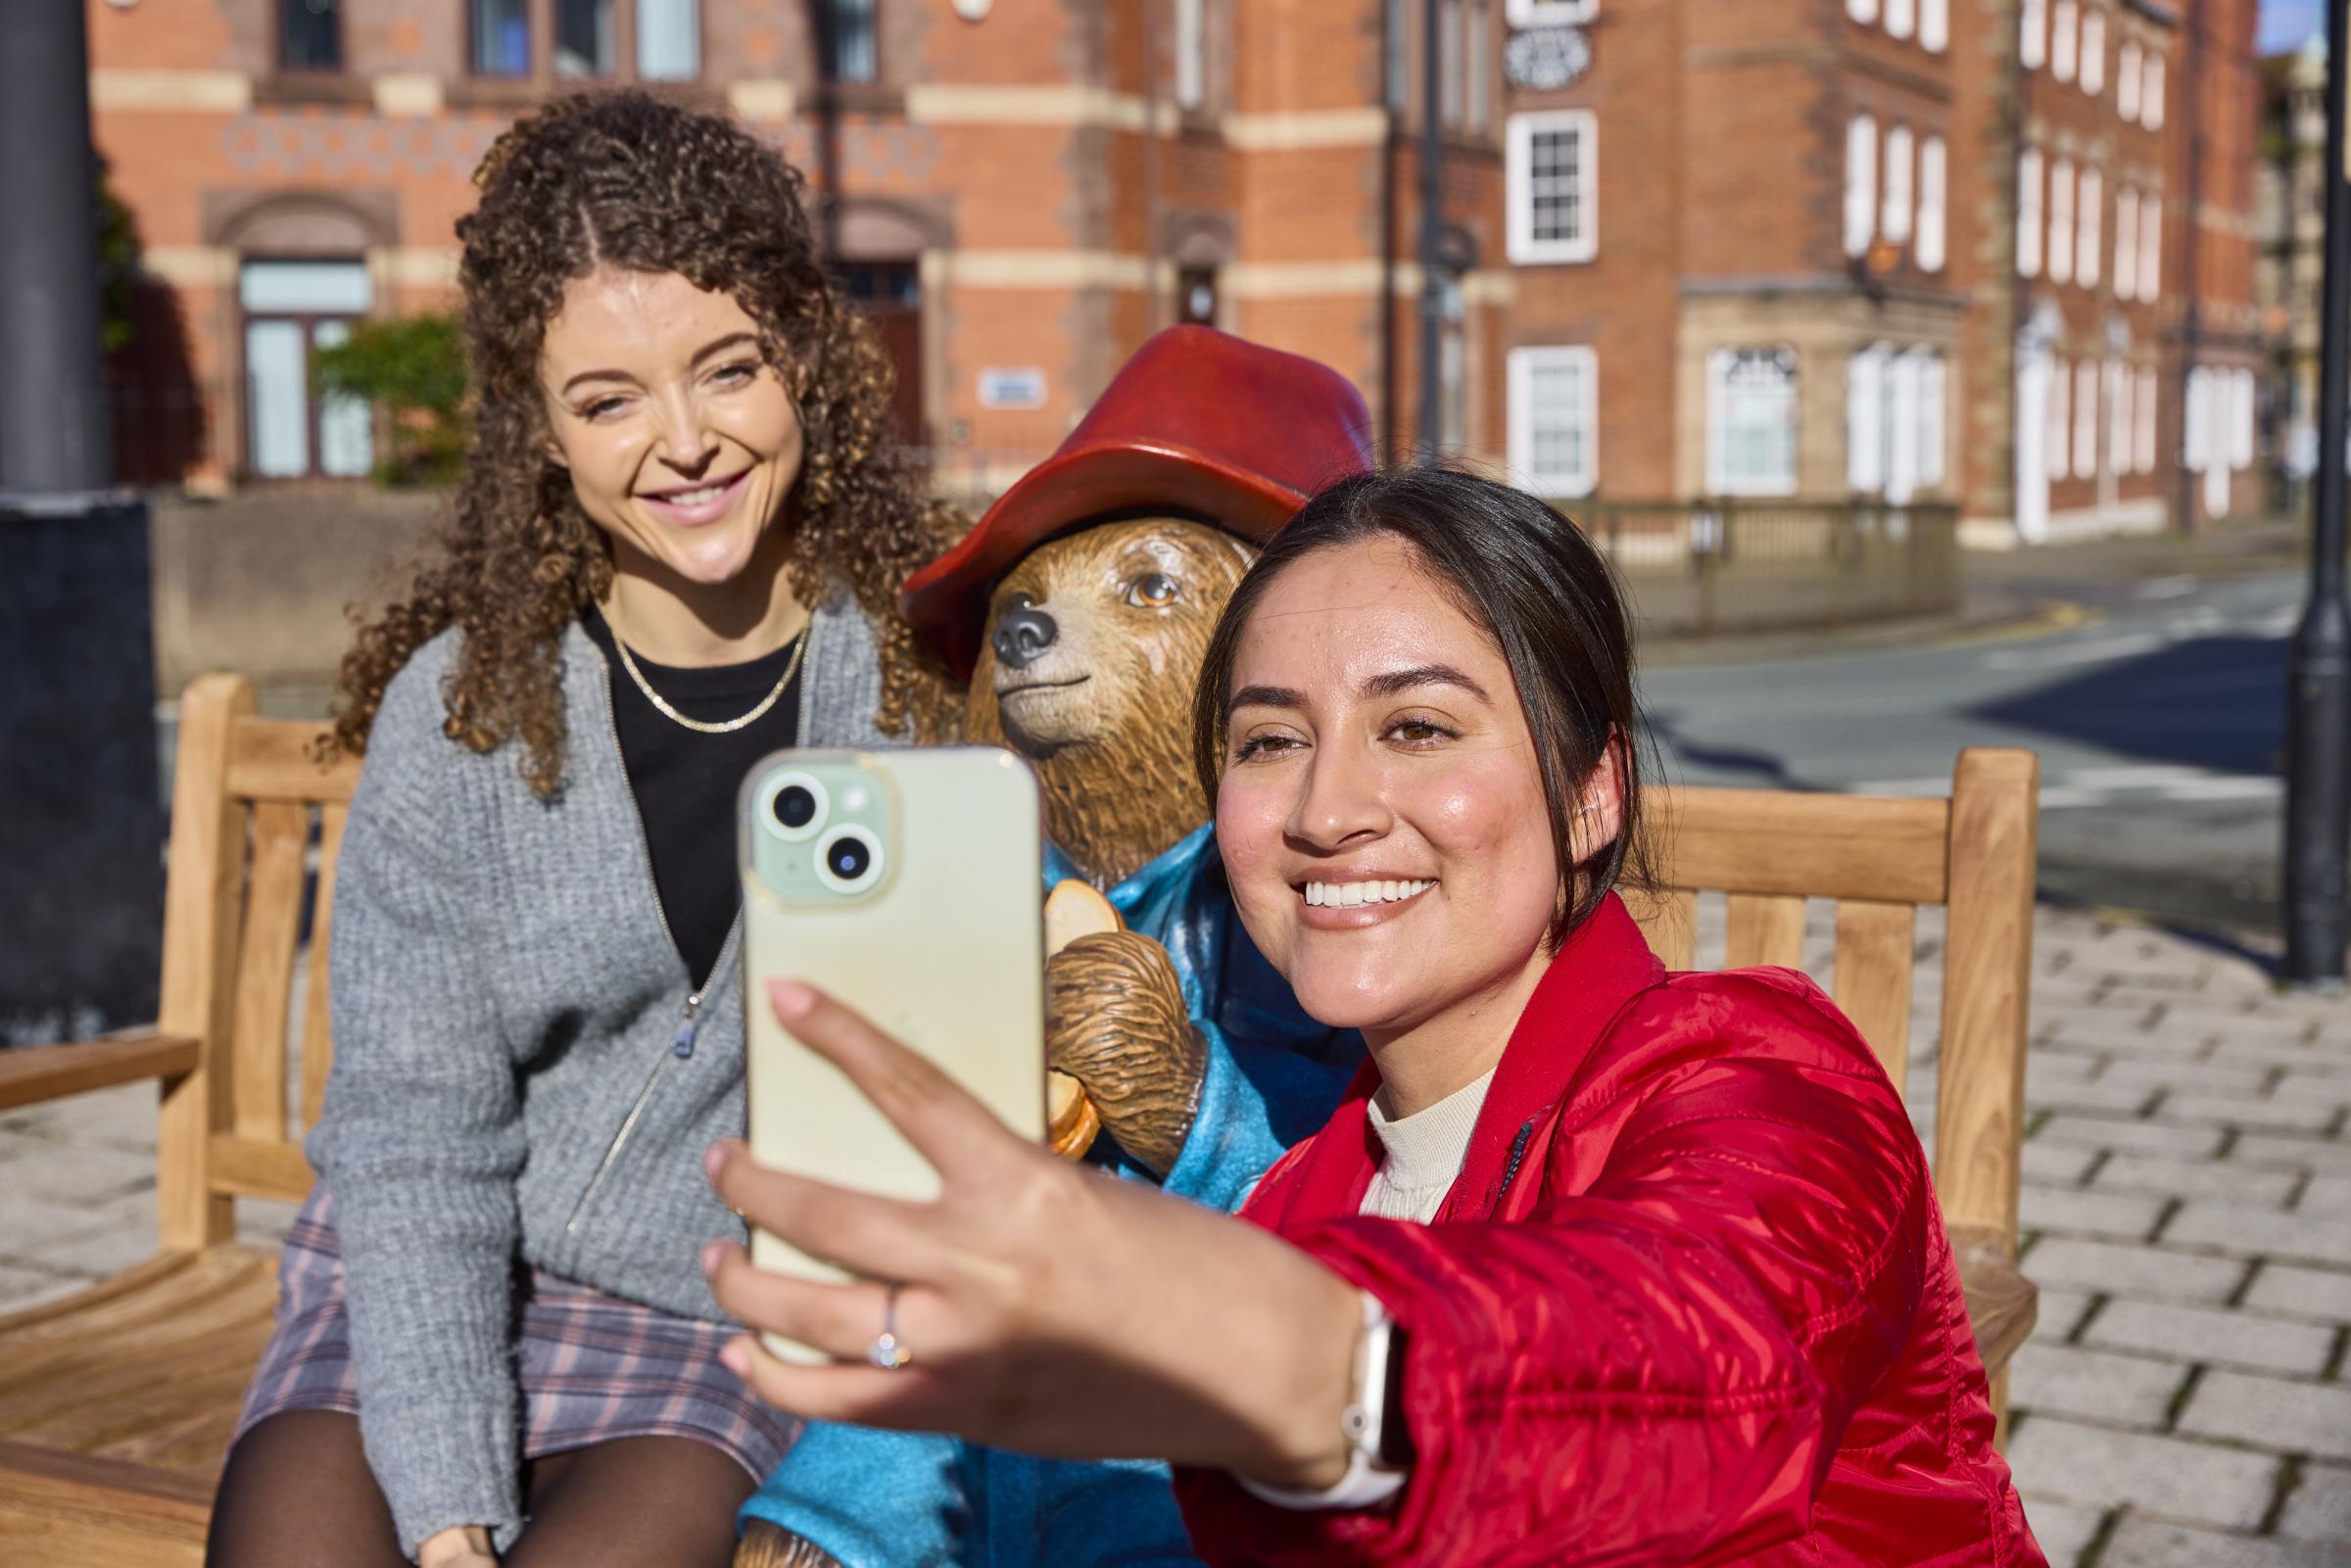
(2136,341)
(1021,191)
(2218,336)
(1935,250)
(2097,282)
(1727,278)
(1888,249)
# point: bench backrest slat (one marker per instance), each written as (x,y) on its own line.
(202,895)
(1876,944)
(1764,928)
(275,759)
(256,829)
(1986,972)
(281,834)
(1808,846)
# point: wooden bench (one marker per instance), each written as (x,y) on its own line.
(115,1404)
(1878,860)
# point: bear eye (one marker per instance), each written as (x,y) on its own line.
(1153,591)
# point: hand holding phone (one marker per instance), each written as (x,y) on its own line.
(906,884)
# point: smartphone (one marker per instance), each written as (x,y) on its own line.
(908,884)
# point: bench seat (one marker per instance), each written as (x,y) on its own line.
(132,1387)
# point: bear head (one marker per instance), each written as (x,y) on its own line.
(1092,648)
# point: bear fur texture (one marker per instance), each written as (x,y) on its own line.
(1094,645)
(1115,1021)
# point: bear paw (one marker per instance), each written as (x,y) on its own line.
(1115,1021)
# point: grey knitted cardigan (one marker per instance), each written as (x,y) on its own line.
(506,998)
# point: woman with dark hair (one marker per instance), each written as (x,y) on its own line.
(675,548)
(1596,1263)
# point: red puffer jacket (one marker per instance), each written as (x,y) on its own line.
(1690,1302)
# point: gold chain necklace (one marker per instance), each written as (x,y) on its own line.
(792,667)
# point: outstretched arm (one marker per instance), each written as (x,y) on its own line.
(1195,1338)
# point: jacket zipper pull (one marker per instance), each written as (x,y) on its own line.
(1509,1172)
(681,1044)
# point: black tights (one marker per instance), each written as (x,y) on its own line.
(297,1492)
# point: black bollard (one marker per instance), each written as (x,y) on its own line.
(2318,770)
(80,815)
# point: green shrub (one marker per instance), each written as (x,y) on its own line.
(118,268)
(414,369)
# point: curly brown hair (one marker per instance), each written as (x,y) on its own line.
(623,179)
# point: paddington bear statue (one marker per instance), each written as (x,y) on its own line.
(1079,609)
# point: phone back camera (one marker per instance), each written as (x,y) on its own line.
(794,806)
(797,804)
(850,860)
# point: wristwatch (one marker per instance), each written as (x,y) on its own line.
(1378,1451)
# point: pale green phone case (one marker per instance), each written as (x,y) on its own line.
(941,944)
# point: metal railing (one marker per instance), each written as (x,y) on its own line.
(1716,565)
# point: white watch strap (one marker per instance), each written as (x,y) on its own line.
(1366,1482)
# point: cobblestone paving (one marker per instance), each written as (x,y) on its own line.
(2184,1401)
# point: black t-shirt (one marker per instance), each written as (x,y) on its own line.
(685,780)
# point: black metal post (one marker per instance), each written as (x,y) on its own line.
(824,34)
(80,816)
(2190,285)
(1432,232)
(2318,769)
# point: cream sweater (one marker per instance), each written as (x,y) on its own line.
(1425,1154)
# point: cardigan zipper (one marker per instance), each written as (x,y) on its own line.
(680,1048)
(681,1043)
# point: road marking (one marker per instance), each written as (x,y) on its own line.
(2143,777)
(2108,787)
(2225,788)
(2097,653)
(2189,624)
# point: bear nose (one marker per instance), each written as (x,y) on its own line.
(1022,633)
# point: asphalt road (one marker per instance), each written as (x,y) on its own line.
(2160,725)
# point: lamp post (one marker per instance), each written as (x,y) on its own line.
(80,818)
(1432,230)
(2318,772)
(823,32)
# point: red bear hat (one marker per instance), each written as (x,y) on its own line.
(1199,423)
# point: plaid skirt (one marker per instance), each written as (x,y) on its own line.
(593,1368)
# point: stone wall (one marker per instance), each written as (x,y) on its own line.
(259,583)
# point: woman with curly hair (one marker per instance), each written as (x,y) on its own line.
(675,548)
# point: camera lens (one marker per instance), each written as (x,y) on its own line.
(796,806)
(848,858)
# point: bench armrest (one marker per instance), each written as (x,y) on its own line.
(32,1073)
